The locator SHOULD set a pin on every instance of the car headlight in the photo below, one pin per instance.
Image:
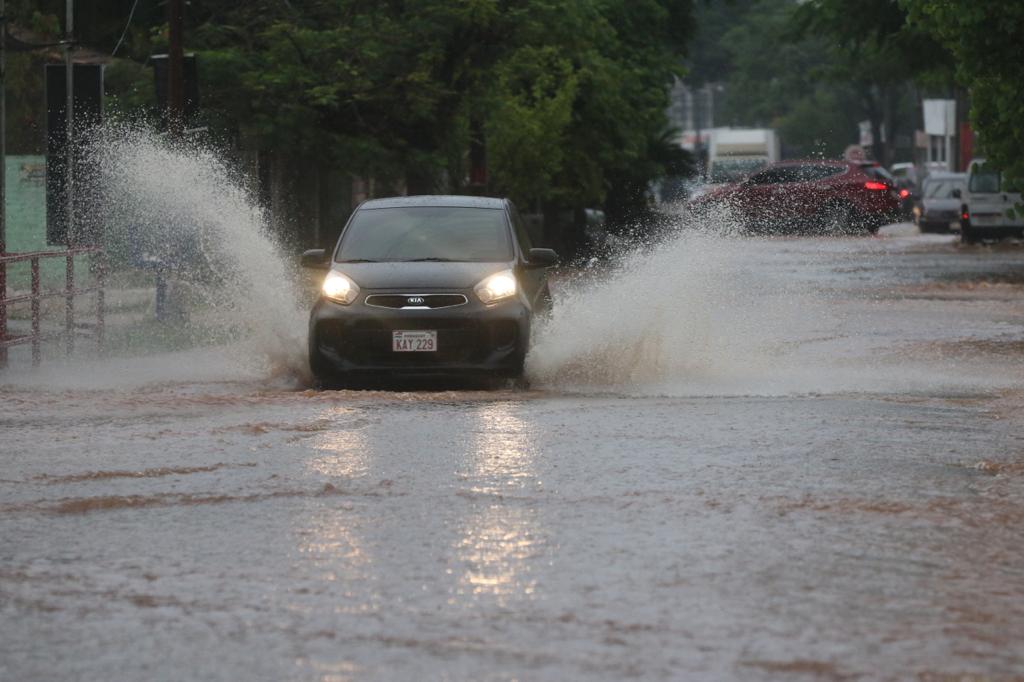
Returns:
(497, 287)
(339, 288)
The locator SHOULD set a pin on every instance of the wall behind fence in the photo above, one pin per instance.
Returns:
(26, 220)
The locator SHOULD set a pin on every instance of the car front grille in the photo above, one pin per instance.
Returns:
(368, 342)
(432, 301)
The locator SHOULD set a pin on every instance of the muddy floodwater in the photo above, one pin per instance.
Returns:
(806, 463)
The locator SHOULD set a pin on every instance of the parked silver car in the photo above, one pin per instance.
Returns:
(939, 207)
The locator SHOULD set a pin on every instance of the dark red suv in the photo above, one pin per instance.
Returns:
(813, 195)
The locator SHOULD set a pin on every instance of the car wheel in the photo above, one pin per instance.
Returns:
(967, 235)
(324, 375)
(543, 311)
(519, 383)
(515, 378)
(838, 218)
(871, 224)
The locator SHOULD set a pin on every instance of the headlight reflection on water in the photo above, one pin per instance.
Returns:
(331, 537)
(500, 539)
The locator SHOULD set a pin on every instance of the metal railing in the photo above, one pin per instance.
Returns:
(69, 292)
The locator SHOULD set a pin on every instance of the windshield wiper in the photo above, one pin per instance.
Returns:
(359, 260)
(429, 260)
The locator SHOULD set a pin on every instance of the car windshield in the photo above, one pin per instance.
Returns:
(795, 173)
(941, 189)
(879, 173)
(426, 233)
(984, 180)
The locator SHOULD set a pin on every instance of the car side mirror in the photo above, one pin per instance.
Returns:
(542, 258)
(315, 258)
(957, 193)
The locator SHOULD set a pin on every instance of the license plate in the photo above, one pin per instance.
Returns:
(414, 341)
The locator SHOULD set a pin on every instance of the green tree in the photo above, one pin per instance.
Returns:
(984, 37)
(567, 96)
(878, 53)
(814, 69)
(710, 56)
(775, 77)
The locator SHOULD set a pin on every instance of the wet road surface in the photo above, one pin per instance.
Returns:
(847, 505)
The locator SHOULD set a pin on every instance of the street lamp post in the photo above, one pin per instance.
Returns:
(69, 169)
(175, 68)
(3, 142)
(3, 178)
(69, 124)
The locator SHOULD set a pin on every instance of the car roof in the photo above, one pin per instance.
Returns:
(817, 162)
(441, 200)
(826, 163)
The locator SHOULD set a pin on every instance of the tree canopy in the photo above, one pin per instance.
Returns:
(567, 94)
(985, 38)
(567, 97)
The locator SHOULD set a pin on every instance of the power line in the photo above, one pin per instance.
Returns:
(126, 27)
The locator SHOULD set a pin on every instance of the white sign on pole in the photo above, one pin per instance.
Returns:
(939, 116)
(866, 138)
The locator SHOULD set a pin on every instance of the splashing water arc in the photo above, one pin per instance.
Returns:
(181, 205)
(685, 310)
(701, 310)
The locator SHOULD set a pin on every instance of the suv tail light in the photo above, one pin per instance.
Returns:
(904, 193)
(876, 186)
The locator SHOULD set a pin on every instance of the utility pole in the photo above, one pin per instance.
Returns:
(175, 68)
(69, 125)
(3, 178)
(69, 170)
(3, 143)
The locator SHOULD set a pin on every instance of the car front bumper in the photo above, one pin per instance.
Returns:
(985, 231)
(471, 339)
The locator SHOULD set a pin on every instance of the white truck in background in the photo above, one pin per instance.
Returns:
(736, 153)
(990, 209)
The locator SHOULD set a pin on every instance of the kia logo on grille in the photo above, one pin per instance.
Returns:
(414, 300)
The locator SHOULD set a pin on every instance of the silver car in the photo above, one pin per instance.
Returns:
(939, 208)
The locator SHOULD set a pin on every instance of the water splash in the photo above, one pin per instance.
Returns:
(180, 206)
(685, 309)
(710, 310)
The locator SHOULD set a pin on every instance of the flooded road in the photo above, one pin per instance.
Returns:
(822, 479)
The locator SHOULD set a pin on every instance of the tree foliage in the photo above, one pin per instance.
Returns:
(569, 94)
(881, 56)
(985, 37)
(777, 80)
(814, 69)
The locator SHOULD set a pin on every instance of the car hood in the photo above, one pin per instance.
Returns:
(410, 276)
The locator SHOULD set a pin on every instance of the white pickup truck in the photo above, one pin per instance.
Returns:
(989, 209)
